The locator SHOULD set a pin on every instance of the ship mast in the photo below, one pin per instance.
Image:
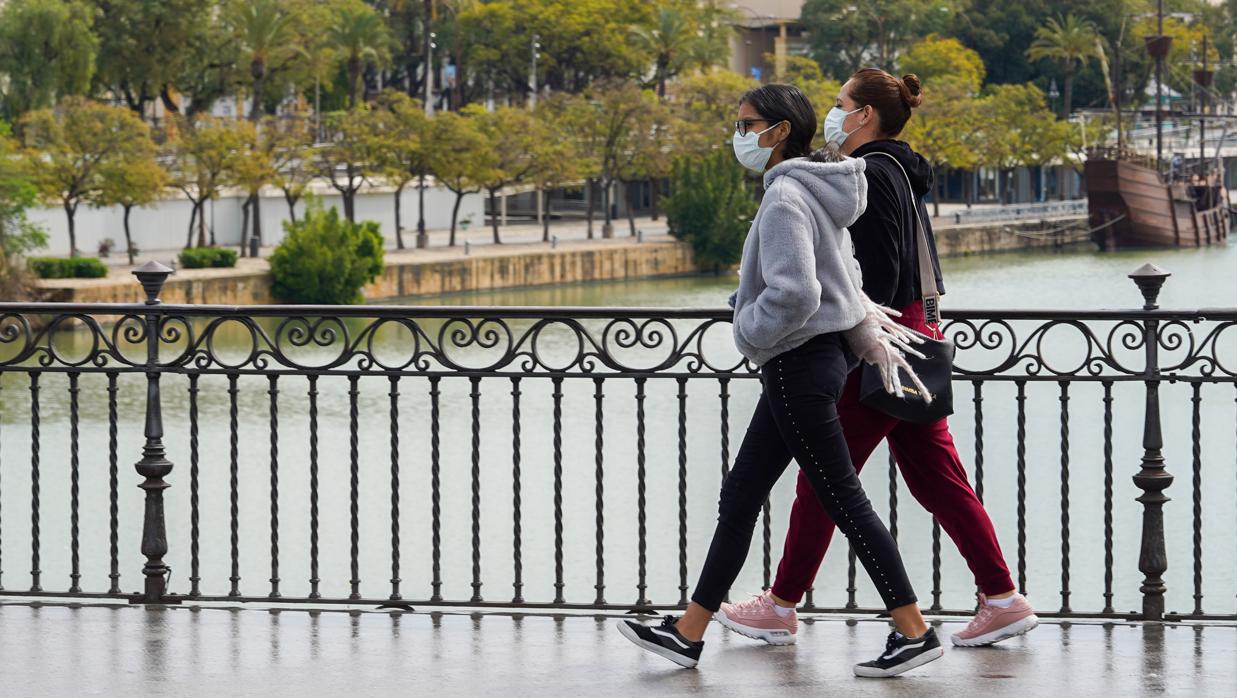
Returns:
(1203, 78)
(1158, 47)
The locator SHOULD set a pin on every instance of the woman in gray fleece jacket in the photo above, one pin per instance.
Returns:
(802, 317)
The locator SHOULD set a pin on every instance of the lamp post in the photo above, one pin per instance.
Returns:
(532, 74)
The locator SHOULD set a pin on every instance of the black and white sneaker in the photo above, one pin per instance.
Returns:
(663, 640)
(902, 654)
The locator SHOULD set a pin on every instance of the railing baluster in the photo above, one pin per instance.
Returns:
(1108, 497)
(273, 392)
(75, 573)
(1021, 466)
(557, 396)
(641, 573)
(113, 486)
(936, 565)
(517, 530)
(1196, 438)
(314, 593)
(354, 486)
(893, 497)
(475, 395)
(1, 489)
(395, 542)
(435, 495)
(767, 541)
(234, 484)
(851, 603)
(599, 488)
(35, 441)
(195, 578)
(978, 399)
(725, 400)
(682, 491)
(1065, 567)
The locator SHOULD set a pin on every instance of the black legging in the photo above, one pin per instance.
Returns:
(797, 417)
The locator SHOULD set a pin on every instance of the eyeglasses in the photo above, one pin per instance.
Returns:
(742, 126)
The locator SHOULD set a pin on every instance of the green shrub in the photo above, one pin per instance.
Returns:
(68, 267)
(711, 208)
(203, 257)
(326, 259)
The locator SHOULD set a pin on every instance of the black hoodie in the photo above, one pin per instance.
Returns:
(884, 235)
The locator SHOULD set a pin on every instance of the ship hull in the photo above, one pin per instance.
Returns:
(1129, 206)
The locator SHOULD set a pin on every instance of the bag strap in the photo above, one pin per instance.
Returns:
(927, 272)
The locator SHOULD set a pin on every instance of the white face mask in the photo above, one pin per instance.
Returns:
(834, 134)
(749, 152)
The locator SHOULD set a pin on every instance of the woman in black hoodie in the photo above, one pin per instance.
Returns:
(871, 110)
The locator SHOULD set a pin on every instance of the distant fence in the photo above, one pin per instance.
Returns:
(1015, 212)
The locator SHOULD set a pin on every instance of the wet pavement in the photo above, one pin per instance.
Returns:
(122, 650)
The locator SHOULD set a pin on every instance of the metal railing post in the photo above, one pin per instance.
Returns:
(1152, 478)
(154, 465)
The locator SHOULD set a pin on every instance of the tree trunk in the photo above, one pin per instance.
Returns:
(193, 218)
(588, 195)
(257, 216)
(257, 69)
(245, 225)
(399, 228)
(291, 205)
(421, 205)
(545, 216)
(940, 192)
(654, 186)
(202, 225)
(70, 210)
(455, 214)
(1067, 93)
(349, 196)
(128, 235)
(494, 214)
(607, 225)
(354, 77)
(631, 215)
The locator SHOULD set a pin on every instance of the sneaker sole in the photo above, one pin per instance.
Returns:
(874, 673)
(686, 662)
(1018, 627)
(772, 637)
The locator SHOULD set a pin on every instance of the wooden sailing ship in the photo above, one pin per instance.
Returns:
(1131, 204)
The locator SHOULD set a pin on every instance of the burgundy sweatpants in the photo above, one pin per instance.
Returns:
(933, 472)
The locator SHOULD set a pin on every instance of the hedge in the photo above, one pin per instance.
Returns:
(68, 267)
(203, 257)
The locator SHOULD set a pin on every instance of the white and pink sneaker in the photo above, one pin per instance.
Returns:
(993, 623)
(760, 619)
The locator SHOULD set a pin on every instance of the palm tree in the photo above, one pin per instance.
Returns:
(266, 36)
(1070, 42)
(362, 39)
(669, 40)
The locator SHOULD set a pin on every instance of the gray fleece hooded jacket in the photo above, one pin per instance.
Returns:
(799, 276)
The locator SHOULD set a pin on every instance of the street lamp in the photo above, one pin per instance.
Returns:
(532, 75)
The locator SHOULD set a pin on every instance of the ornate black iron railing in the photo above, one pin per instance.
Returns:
(292, 402)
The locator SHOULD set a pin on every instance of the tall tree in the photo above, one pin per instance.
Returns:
(1069, 41)
(1019, 130)
(401, 133)
(252, 167)
(71, 147)
(347, 160)
(944, 130)
(17, 235)
(135, 182)
(200, 155)
(144, 46)
(264, 33)
(361, 40)
(706, 103)
(938, 60)
(846, 35)
(683, 34)
(292, 143)
(47, 50)
(608, 118)
(460, 158)
(513, 136)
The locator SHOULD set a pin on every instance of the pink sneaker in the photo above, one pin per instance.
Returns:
(757, 619)
(992, 624)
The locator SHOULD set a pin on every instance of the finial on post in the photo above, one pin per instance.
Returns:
(1150, 279)
(152, 276)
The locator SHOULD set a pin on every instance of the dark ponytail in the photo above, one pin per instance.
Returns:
(779, 103)
(893, 99)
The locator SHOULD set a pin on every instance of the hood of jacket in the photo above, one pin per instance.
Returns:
(917, 168)
(840, 187)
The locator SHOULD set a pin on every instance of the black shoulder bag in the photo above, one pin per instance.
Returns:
(936, 369)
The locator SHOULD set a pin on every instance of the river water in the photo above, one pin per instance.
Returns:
(1075, 280)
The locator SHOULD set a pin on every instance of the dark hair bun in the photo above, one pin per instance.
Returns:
(912, 91)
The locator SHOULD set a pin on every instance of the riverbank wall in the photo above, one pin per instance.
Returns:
(453, 270)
